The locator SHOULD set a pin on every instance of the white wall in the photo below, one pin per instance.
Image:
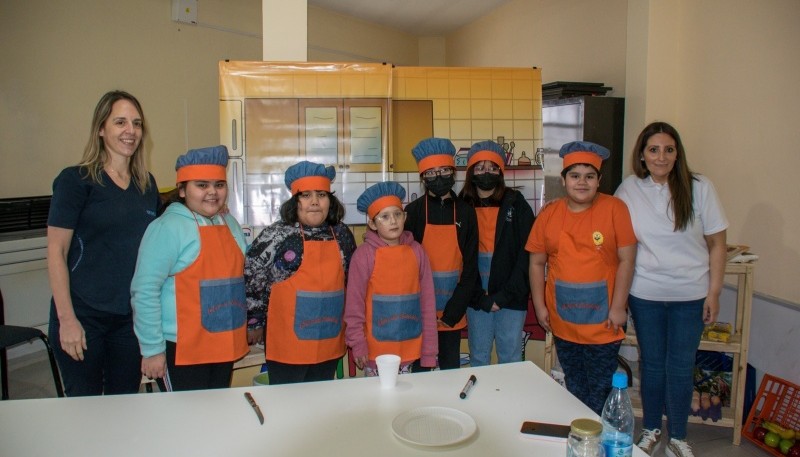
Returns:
(58, 58)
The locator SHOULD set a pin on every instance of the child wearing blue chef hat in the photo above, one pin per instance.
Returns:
(586, 240)
(295, 280)
(497, 312)
(447, 228)
(390, 306)
(188, 289)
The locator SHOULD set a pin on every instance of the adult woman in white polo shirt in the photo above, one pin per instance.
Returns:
(680, 225)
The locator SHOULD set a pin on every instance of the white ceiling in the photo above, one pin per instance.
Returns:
(417, 17)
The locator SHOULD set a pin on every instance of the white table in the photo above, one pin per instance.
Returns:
(347, 417)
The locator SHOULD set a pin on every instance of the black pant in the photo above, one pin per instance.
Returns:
(449, 352)
(287, 373)
(194, 377)
(111, 362)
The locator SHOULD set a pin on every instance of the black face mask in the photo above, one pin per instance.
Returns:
(486, 181)
(440, 186)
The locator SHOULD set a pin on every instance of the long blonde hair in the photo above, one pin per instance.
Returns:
(95, 155)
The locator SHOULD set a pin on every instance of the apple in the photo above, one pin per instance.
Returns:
(794, 451)
(785, 445)
(759, 433)
(772, 439)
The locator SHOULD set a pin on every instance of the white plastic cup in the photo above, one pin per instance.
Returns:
(388, 368)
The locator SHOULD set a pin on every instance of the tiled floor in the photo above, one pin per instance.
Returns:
(29, 377)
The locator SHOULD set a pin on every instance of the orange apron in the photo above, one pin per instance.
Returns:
(304, 319)
(580, 282)
(394, 314)
(441, 244)
(487, 226)
(210, 301)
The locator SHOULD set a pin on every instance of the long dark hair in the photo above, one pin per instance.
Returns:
(335, 212)
(469, 193)
(679, 179)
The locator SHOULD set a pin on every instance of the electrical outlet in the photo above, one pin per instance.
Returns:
(184, 11)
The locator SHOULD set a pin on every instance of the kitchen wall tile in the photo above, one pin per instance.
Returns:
(438, 88)
(502, 128)
(281, 86)
(523, 109)
(501, 88)
(481, 88)
(502, 109)
(523, 129)
(460, 109)
(459, 88)
(482, 129)
(417, 88)
(441, 108)
(441, 128)
(377, 86)
(460, 129)
(527, 187)
(522, 89)
(481, 109)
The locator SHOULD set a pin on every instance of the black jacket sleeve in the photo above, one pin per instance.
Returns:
(510, 288)
(467, 228)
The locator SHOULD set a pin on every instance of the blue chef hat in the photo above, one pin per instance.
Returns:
(203, 164)
(487, 150)
(583, 152)
(379, 196)
(434, 152)
(306, 175)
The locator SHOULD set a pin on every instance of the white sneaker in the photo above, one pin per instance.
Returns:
(678, 448)
(648, 440)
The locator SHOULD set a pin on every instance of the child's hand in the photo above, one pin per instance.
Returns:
(155, 367)
(360, 361)
(616, 319)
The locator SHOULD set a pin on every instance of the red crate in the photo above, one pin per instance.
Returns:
(777, 401)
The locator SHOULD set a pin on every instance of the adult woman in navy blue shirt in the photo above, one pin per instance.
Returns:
(98, 215)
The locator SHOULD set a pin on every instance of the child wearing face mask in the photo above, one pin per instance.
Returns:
(497, 312)
(189, 310)
(447, 229)
(390, 307)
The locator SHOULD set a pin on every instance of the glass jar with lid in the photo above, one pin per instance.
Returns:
(584, 439)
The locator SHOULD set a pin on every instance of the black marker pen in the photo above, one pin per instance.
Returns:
(471, 382)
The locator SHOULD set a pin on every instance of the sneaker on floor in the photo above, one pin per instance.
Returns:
(648, 440)
(679, 448)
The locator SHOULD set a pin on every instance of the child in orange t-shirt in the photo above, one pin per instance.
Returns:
(586, 240)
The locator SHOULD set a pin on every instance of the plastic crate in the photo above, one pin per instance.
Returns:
(777, 401)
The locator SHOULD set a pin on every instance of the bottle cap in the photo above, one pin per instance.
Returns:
(619, 380)
(586, 427)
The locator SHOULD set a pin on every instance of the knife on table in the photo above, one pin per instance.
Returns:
(255, 407)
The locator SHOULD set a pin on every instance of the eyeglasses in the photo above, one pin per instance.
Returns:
(388, 218)
(443, 172)
(481, 169)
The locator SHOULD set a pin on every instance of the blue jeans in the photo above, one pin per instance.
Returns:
(669, 334)
(502, 327)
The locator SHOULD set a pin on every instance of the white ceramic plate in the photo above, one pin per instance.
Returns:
(434, 426)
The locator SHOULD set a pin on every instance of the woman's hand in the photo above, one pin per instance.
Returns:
(73, 338)
(155, 367)
(710, 309)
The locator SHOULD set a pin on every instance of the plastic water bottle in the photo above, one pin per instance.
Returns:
(584, 439)
(618, 419)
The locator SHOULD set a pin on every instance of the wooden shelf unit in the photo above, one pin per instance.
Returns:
(737, 346)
